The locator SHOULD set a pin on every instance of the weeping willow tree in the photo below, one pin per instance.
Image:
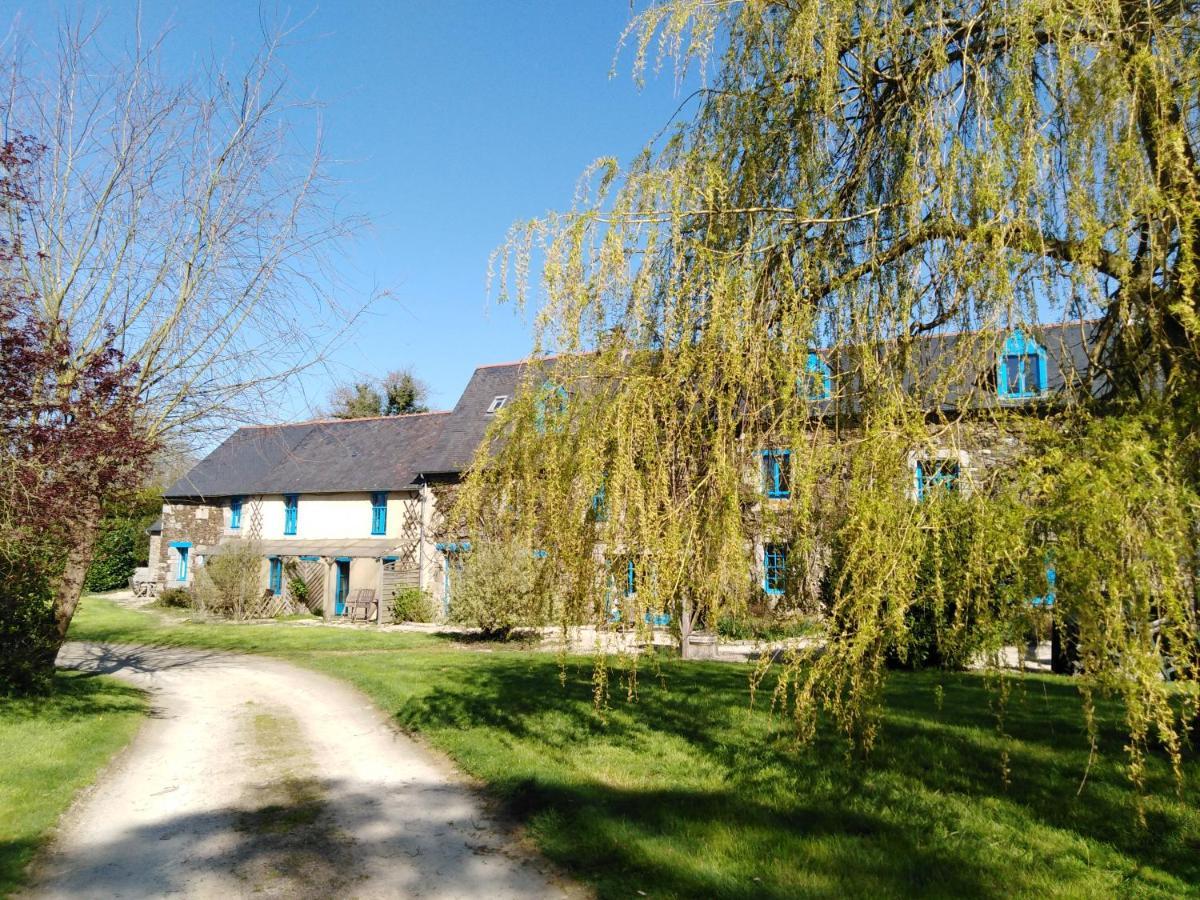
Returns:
(819, 269)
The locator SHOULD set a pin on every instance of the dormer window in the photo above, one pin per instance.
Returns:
(551, 406)
(1021, 369)
(497, 404)
(816, 382)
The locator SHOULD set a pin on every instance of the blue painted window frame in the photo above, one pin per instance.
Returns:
(599, 507)
(816, 383)
(341, 587)
(276, 575)
(379, 501)
(776, 469)
(291, 513)
(1048, 598)
(235, 513)
(775, 568)
(945, 473)
(542, 406)
(183, 549)
(630, 578)
(1022, 350)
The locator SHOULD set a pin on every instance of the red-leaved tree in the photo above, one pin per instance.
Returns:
(69, 440)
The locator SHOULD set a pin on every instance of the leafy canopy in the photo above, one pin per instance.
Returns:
(855, 179)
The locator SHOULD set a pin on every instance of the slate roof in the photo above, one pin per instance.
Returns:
(393, 452)
(464, 427)
(330, 456)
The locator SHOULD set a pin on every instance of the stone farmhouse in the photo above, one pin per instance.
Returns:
(342, 504)
(358, 504)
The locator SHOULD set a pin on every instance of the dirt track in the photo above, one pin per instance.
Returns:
(254, 777)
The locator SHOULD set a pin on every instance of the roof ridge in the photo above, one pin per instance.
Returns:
(336, 421)
(522, 362)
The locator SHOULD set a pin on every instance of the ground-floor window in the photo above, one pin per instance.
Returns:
(276, 575)
(181, 562)
(775, 568)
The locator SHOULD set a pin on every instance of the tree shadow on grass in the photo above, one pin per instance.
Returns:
(74, 694)
(837, 813)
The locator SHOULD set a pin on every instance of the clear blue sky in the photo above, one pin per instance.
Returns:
(452, 119)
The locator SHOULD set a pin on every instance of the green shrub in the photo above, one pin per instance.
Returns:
(763, 627)
(230, 582)
(115, 557)
(176, 598)
(297, 587)
(28, 640)
(496, 590)
(412, 604)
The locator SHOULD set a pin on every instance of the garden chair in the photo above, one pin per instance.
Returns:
(362, 601)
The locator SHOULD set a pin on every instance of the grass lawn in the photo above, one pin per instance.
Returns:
(690, 793)
(50, 748)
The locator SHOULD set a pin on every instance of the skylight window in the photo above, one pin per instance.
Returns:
(497, 404)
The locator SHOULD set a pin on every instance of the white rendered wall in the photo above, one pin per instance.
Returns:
(327, 516)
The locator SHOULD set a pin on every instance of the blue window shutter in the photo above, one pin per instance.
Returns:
(291, 503)
(235, 513)
(379, 512)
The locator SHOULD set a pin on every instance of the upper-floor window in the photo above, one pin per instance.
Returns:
(551, 406)
(599, 506)
(291, 504)
(379, 512)
(235, 513)
(497, 403)
(816, 382)
(775, 568)
(776, 465)
(936, 475)
(1021, 369)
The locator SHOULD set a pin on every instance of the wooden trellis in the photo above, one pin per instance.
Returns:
(312, 573)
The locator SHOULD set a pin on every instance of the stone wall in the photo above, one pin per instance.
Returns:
(201, 524)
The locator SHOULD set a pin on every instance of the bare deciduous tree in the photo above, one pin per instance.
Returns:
(184, 222)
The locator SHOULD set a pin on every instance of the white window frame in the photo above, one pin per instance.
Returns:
(498, 403)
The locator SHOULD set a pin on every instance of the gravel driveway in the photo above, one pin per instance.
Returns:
(254, 777)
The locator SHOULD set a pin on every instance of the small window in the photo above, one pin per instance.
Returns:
(630, 578)
(776, 466)
(291, 508)
(379, 512)
(936, 475)
(235, 513)
(181, 573)
(1021, 368)
(775, 568)
(599, 506)
(497, 404)
(551, 407)
(816, 382)
(276, 575)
